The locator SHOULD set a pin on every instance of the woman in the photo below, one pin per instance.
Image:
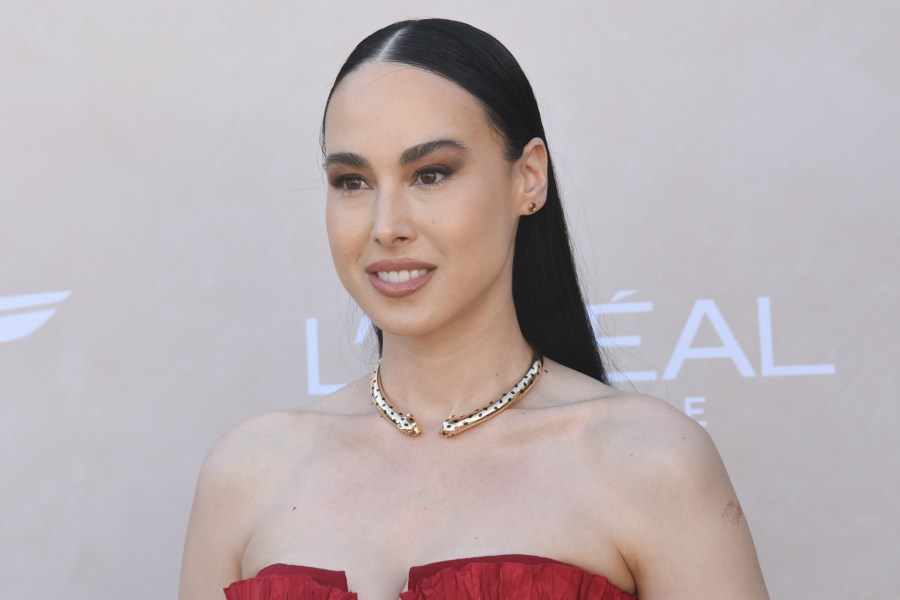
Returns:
(446, 228)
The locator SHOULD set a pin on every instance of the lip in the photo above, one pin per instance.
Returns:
(401, 288)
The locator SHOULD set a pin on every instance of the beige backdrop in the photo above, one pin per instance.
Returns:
(730, 170)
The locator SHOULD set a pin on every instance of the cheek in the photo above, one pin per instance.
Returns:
(483, 215)
(343, 232)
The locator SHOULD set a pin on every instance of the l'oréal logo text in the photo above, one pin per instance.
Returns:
(20, 316)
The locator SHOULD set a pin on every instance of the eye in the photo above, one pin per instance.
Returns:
(348, 183)
(431, 176)
(352, 183)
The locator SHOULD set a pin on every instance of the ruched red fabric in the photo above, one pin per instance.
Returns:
(483, 578)
(291, 582)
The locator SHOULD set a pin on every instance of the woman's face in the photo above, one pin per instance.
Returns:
(422, 205)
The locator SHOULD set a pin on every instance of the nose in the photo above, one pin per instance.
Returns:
(392, 223)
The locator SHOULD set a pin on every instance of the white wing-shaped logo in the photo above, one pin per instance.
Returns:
(23, 323)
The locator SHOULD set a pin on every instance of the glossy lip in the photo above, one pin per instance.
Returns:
(402, 288)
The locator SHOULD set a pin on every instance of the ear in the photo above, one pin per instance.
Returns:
(532, 171)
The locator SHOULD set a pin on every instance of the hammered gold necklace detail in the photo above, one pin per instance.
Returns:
(455, 425)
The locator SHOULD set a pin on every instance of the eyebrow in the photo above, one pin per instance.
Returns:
(346, 158)
(418, 151)
(409, 155)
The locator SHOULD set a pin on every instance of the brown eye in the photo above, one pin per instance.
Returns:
(347, 183)
(431, 176)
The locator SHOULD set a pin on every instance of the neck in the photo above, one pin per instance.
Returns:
(442, 375)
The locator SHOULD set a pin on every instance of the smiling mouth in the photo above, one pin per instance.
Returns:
(401, 276)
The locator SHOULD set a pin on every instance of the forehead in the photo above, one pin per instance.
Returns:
(389, 107)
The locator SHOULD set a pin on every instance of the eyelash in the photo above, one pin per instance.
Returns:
(441, 170)
(340, 182)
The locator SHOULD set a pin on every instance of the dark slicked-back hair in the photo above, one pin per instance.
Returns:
(549, 305)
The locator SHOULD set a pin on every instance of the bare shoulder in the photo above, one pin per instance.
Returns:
(240, 475)
(687, 535)
(244, 451)
(232, 480)
(669, 504)
(654, 436)
(646, 430)
(241, 453)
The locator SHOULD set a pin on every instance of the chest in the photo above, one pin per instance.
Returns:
(414, 507)
(373, 510)
(438, 495)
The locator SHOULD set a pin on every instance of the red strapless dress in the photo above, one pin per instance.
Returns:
(483, 578)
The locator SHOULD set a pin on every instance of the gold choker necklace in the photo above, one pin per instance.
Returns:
(455, 425)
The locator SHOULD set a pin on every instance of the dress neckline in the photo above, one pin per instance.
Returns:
(338, 579)
(420, 572)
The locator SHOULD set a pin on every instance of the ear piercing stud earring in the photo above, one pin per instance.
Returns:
(532, 207)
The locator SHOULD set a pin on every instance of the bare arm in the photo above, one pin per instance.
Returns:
(217, 530)
(692, 540)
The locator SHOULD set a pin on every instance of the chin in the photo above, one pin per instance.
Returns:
(396, 328)
(403, 322)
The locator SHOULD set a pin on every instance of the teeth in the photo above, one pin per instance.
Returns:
(400, 276)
